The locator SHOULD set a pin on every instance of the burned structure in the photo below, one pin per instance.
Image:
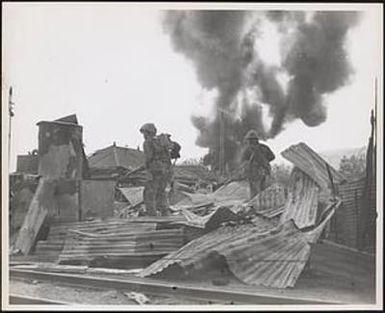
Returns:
(63, 193)
(88, 210)
(272, 240)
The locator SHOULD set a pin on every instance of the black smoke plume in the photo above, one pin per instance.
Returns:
(221, 46)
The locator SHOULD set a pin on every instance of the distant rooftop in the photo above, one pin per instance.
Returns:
(116, 156)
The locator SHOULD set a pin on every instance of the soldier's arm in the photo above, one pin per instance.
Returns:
(245, 154)
(148, 153)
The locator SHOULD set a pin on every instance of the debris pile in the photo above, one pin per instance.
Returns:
(274, 256)
(89, 211)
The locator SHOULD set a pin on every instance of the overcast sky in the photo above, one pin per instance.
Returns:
(114, 67)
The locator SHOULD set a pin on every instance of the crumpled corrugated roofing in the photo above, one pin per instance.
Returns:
(212, 220)
(134, 195)
(303, 157)
(270, 202)
(233, 193)
(302, 202)
(273, 258)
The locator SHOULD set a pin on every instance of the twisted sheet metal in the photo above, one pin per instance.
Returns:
(84, 246)
(303, 157)
(269, 202)
(134, 195)
(272, 258)
(302, 202)
(231, 194)
(215, 218)
(349, 219)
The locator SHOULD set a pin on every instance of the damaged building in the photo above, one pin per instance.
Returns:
(85, 211)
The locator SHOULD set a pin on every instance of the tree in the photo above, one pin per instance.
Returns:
(353, 168)
(193, 161)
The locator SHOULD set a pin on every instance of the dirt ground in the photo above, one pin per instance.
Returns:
(89, 296)
(310, 286)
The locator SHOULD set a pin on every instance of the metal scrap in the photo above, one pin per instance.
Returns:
(273, 258)
(302, 202)
(303, 157)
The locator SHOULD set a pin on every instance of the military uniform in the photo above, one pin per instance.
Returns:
(158, 174)
(256, 158)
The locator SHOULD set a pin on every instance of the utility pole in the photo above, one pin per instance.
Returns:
(221, 144)
(11, 113)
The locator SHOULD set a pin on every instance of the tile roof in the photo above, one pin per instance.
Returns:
(114, 156)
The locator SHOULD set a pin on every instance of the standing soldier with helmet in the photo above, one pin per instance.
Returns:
(158, 153)
(256, 158)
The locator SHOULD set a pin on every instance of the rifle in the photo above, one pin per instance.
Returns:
(138, 169)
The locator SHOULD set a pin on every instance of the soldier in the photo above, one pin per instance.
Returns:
(255, 158)
(158, 168)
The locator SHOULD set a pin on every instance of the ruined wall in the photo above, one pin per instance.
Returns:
(61, 161)
(97, 198)
(60, 150)
(348, 224)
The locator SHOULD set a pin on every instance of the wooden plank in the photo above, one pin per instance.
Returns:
(41, 204)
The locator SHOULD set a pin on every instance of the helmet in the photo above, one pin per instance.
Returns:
(251, 134)
(148, 127)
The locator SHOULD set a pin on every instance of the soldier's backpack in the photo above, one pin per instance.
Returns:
(269, 155)
(172, 146)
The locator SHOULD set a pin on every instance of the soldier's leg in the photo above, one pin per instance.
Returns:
(149, 195)
(253, 188)
(161, 197)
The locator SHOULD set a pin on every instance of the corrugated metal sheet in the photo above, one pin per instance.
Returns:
(231, 194)
(237, 190)
(134, 195)
(58, 232)
(210, 221)
(273, 258)
(269, 202)
(303, 157)
(347, 218)
(122, 242)
(302, 201)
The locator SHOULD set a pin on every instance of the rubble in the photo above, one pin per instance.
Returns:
(92, 211)
(273, 258)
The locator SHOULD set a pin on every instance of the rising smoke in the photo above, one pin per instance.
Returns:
(222, 47)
